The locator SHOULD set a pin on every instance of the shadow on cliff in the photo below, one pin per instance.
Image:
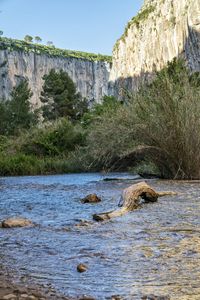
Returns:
(124, 87)
(191, 53)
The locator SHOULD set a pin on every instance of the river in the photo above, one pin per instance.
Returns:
(152, 250)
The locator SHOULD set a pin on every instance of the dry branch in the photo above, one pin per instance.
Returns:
(131, 200)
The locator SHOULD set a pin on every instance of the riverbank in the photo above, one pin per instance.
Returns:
(11, 291)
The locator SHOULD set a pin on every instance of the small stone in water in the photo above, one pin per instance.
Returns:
(92, 198)
(81, 268)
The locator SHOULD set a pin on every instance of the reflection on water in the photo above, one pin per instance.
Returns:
(153, 250)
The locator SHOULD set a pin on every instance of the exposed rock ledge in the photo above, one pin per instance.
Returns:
(161, 31)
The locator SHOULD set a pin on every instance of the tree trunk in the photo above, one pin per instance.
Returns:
(131, 200)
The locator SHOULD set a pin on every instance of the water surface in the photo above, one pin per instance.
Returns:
(153, 250)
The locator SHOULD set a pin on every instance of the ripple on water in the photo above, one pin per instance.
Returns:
(153, 250)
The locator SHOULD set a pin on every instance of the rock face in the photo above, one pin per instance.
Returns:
(162, 30)
(90, 77)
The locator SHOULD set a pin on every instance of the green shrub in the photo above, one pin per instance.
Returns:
(161, 122)
(108, 104)
(56, 139)
(21, 164)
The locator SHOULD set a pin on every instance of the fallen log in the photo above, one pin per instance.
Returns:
(131, 198)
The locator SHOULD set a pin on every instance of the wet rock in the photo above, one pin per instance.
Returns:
(153, 297)
(9, 297)
(16, 222)
(24, 296)
(84, 223)
(116, 297)
(91, 198)
(86, 298)
(81, 268)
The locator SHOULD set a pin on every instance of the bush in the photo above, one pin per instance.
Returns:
(109, 104)
(161, 121)
(54, 148)
(21, 164)
(57, 139)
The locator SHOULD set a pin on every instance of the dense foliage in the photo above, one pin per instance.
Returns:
(156, 129)
(17, 114)
(160, 124)
(48, 149)
(60, 97)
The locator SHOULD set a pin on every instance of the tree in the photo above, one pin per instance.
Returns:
(3, 117)
(1, 32)
(50, 44)
(108, 104)
(28, 39)
(19, 108)
(60, 97)
(38, 39)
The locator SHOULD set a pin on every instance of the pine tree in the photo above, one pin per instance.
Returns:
(60, 97)
(19, 108)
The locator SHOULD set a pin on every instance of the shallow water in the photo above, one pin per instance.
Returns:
(153, 250)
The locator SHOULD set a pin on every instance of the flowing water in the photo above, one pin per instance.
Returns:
(153, 250)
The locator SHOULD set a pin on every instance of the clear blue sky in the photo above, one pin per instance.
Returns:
(85, 25)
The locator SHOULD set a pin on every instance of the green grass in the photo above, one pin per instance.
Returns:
(21, 164)
(19, 45)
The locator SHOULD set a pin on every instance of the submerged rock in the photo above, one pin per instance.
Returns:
(116, 297)
(16, 222)
(81, 268)
(91, 198)
(84, 223)
(84, 297)
(153, 297)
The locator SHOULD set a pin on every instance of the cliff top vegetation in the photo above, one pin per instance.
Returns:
(19, 45)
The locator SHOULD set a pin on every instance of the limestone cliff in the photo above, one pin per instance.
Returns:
(90, 76)
(162, 30)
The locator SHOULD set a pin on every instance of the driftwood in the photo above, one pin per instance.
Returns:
(131, 199)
